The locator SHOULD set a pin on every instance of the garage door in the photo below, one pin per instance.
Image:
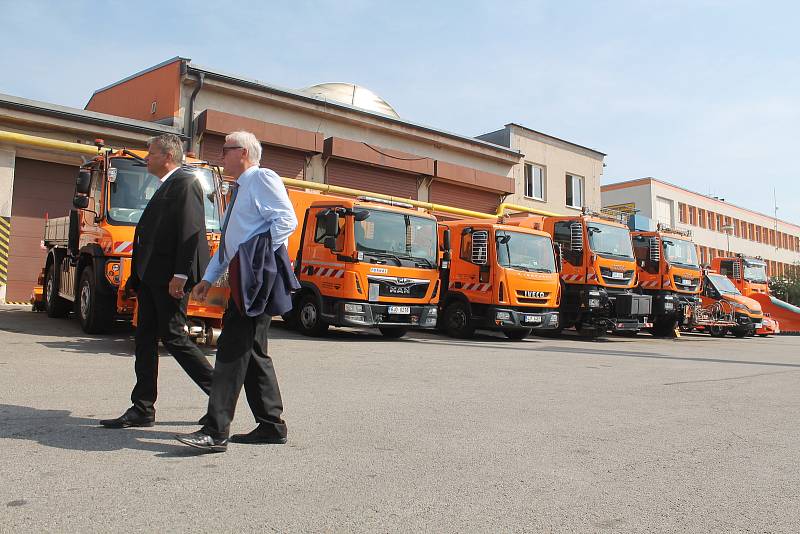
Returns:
(284, 161)
(39, 188)
(375, 179)
(468, 198)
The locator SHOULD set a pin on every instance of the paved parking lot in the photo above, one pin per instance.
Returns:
(421, 434)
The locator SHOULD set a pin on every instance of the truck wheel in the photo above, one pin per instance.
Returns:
(717, 331)
(54, 305)
(590, 331)
(663, 327)
(95, 311)
(309, 317)
(458, 320)
(740, 331)
(290, 319)
(393, 332)
(517, 334)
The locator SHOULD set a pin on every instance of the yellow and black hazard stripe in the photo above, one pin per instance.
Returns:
(5, 246)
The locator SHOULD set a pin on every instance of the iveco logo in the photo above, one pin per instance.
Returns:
(617, 267)
(535, 294)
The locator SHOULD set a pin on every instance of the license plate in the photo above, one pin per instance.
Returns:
(399, 310)
(533, 318)
(687, 282)
(616, 275)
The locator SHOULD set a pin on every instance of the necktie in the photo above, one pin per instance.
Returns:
(221, 254)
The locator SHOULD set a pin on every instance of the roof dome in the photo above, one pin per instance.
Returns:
(353, 95)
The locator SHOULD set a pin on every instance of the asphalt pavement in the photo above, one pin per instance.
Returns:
(425, 433)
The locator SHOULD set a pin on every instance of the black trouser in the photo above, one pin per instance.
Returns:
(161, 316)
(242, 359)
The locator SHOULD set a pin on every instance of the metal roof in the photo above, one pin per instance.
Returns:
(556, 138)
(84, 116)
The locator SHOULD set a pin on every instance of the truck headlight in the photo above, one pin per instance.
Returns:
(433, 312)
(353, 308)
(594, 303)
(503, 316)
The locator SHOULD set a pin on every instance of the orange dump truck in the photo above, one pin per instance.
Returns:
(499, 277)
(669, 272)
(89, 252)
(598, 273)
(363, 262)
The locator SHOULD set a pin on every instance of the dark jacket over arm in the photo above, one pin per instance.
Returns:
(267, 278)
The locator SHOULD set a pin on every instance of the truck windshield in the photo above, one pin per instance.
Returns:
(723, 284)
(394, 234)
(525, 252)
(680, 252)
(133, 188)
(608, 240)
(755, 271)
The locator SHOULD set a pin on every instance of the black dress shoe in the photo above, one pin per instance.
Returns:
(257, 437)
(198, 440)
(128, 419)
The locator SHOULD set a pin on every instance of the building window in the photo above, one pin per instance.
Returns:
(534, 181)
(574, 191)
(682, 212)
(702, 218)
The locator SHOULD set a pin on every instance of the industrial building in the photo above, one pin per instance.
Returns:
(718, 227)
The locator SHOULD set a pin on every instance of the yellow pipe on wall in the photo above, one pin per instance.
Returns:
(326, 188)
(54, 144)
(501, 209)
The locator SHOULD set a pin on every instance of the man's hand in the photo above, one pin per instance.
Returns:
(200, 291)
(176, 286)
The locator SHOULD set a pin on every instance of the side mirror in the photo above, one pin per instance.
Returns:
(446, 255)
(84, 182)
(330, 242)
(559, 258)
(361, 215)
(81, 202)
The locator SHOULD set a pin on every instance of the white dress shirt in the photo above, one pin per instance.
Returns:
(262, 204)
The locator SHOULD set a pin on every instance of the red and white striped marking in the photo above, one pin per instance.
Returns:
(590, 277)
(121, 247)
(572, 277)
(329, 272)
(472, 287)
(649, 284)
(667, 283)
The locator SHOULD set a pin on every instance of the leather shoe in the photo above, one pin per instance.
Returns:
(256, 437)
(199, 440)
(129, 419)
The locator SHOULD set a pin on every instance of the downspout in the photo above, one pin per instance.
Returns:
(190, 113)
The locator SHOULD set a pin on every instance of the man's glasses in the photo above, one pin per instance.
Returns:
(227, 149)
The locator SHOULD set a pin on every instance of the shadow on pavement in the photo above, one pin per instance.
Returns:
(60, 430)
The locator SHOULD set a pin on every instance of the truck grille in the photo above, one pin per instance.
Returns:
(398, 287)
(605, 272)
(532, 297)
(691, 286)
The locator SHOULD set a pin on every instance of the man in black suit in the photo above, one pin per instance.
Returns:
(170, 255)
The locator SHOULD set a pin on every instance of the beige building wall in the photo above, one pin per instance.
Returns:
(558, 158)
(348, 125)
(644, 194)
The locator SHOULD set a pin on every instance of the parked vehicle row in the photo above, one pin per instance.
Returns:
(367, 260)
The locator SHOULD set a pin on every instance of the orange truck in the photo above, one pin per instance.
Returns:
(363, 262)
(498, 277)
(669, 272)
(749, 275)
(598, 274)
(89, 252)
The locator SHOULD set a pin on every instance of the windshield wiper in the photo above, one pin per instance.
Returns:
(385, 255)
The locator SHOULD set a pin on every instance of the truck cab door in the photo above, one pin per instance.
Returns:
(474, 276)
(320, 263)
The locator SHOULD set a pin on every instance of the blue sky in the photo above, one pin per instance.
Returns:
(704, 94)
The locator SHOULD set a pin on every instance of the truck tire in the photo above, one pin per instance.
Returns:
(393, 332)
(663, 327)
(54, 305)
(95, 311)
(590, 331)
(717, 331)
(518, 333)
(458, 320)
(309, 317)
(740, 331)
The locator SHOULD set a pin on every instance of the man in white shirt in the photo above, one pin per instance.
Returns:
(259, 204)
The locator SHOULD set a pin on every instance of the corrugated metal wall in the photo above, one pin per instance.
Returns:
(378, 180)
(284, 161)
(459, 196)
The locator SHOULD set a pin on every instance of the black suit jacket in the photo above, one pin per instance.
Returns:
(170, 237)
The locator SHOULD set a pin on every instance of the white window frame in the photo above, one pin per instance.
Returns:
(581, 180)
(530, 176)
